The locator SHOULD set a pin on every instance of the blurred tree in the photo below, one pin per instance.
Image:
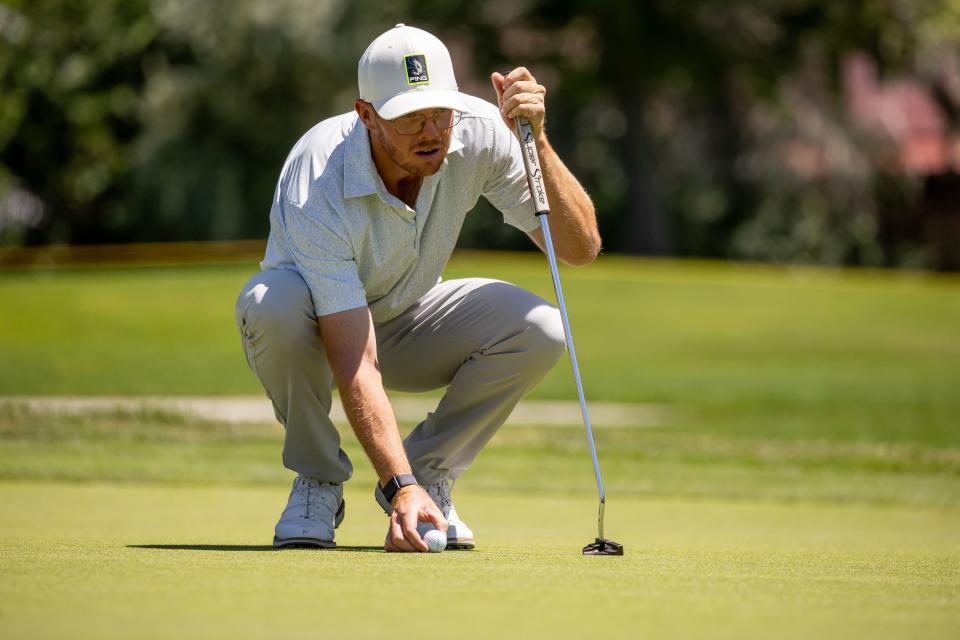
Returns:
(231, 90)
(70, 75)
(136, 120)
(700, 128)
(705, 91)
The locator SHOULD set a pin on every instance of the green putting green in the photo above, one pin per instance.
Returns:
(104, 561)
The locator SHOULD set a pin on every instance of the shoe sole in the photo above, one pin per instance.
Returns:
(303, 543)
(458, 544)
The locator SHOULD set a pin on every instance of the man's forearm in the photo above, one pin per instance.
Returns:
(350, 342)
(573, 221)
(372, 419)
(573, 224)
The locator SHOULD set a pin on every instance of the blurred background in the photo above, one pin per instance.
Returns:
(784, 131)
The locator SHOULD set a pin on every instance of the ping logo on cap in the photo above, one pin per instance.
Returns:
(416, 65)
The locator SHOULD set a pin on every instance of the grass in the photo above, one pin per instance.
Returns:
(155, 562)
(677, 460)
(646, 331)
(806, 481)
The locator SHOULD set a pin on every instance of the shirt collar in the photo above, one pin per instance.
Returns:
(360, 177)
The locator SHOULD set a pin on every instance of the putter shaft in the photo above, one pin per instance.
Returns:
(539, 192)
(555, 272)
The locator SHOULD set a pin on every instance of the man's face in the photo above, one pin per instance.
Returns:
(417, 142)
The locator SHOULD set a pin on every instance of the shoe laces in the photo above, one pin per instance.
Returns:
(440, 492)
(316, 499)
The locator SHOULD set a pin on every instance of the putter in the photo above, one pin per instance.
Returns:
(531, 161)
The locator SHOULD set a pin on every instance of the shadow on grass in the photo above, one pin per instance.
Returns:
(241, 547)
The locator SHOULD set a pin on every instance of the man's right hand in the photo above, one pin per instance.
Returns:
(350, 341)
(411, 505)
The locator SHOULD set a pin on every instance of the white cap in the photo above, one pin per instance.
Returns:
(407, 69)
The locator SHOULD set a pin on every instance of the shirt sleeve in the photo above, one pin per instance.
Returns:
(506, 188)
(321, 250)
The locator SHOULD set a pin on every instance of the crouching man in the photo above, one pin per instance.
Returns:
(366, 214)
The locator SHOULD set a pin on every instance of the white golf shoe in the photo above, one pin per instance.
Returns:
(314, 510)
(459, 535)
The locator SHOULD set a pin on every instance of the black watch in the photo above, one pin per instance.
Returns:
(395, 483)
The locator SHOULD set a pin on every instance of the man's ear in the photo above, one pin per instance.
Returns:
(365, 111)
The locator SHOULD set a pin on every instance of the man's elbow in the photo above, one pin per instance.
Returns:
(586, 254)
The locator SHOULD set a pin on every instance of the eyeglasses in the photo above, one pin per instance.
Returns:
(413, 123)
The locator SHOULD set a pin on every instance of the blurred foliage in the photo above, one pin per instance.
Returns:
(127, 120)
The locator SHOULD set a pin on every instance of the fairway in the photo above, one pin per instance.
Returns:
(800, 475)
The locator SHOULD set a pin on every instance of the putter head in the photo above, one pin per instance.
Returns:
(603, 547)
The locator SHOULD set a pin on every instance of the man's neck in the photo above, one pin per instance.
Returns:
(397, 181)
(408, 189)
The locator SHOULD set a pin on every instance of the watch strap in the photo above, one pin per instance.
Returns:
(395, 483)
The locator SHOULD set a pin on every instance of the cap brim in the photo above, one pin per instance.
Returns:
(410, 101)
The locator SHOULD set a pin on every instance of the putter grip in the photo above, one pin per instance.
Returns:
(531, 161)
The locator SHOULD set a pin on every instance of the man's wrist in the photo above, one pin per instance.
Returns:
(403, 490)
(393, 486)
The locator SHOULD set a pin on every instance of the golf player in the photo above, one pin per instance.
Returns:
(367, 212)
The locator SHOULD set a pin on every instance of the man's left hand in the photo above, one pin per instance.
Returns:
(519, 94)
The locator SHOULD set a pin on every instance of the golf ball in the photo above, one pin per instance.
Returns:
(436, 540)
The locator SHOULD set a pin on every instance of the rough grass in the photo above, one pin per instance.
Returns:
(679, 459)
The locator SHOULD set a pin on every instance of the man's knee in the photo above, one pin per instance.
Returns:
(546, 338)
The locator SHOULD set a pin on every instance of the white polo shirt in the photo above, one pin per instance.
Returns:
(355, 244)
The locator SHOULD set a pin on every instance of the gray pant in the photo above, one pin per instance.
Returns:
(487, 341)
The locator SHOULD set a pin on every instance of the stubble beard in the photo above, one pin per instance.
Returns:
(396, 157)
